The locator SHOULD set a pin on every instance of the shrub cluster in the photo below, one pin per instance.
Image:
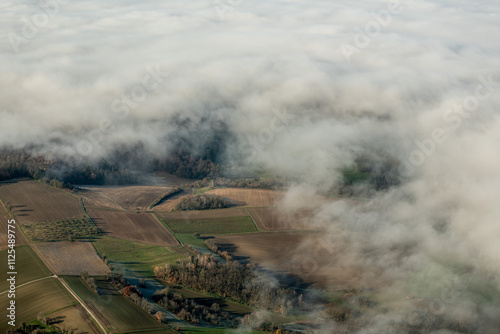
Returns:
(187, 309)
(203, 202)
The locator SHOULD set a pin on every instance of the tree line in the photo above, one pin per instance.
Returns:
(116, 170)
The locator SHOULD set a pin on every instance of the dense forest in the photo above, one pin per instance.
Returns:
(20, 163)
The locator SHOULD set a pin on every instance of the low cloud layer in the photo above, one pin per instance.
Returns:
(303, 89)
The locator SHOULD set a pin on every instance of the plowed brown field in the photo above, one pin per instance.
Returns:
(34, 202)
(204, 214)
(134, 197)
(272, 219)
(304, 254)
(72, 258)
(139, 227)
(92, 199)
(249, 197)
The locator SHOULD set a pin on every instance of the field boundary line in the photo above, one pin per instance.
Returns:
(162, 197)
(82, 206)
(167, 227)
(110, 198)
(181, 244)
(35, 280)
(66, 285)
(253, 221)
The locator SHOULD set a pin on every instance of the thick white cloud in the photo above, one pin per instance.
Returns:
(245, 62)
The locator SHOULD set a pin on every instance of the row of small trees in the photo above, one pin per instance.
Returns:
(90, 281)
(274, 183)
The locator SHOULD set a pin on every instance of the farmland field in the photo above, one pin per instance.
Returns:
(271, 219)
(134, 197)
(43, 296)
(264, 248)
(28, 265)
(71, 258)
(237, 196)
(117, 312)
(75, 317)
(187, 238)
(166, 179)
(285, 251)
(204, 214)
(249, 197)
(141, 258)
(170, 203)
(226, 225)
(34, 202)
(132, 226)
(92, 199)
(268, 219)
(4, 218)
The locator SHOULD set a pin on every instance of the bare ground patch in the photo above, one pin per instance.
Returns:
(273, 219)
(302, 254)
(72, 258)
(204, 214)
(249, 197)
(93, 199)
(34, 202)
(134, 197)
(74, 317)
(139, 227)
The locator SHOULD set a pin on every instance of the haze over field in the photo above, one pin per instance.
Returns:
(298, 88)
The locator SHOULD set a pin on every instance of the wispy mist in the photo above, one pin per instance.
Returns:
(302, 89)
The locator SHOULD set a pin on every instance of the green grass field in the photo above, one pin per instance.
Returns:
(140, 258)
(190, 240)
(225, 225)
(43, 296)
(28, 267)
(61, 230)
(122, 313)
